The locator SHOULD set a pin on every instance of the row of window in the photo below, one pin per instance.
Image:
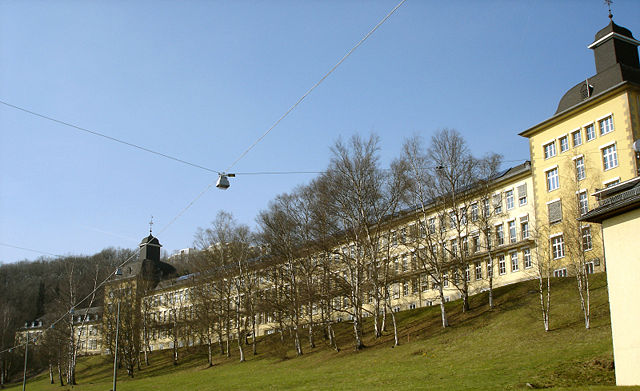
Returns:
(451, 220)
(605, 125)
(609, 161)
(557, 243)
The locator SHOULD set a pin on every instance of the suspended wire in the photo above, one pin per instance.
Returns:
(95, 133)
(30, 249)
(316, 85)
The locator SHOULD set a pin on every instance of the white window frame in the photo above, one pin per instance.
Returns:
(552, 178)
(549, 149)
(557, 246)
(562, 272)
(515, 266)
(581, 171)
(509, 198)
(609, 156)
(591, 126)
(513, 231)
(564, 143)
(579, 138)
(526, 257)
(502, 265)
(583, 201)
(587, 238)
(609, 122)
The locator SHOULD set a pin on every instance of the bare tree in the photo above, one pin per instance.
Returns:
(483, 214)
(362, 198)
(580, 238)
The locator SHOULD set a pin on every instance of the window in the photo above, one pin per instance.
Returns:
(499, 235)
(396, 291)
(589, 268)
(557, 247)
(524, 227)
(514, 262)
(454, 247)
(475, 244)
(396, 265)
(550, 150)
(405, 288)
(522, 194)
(587, 243)
(580, 171)
(502, 265)
(465, 245)
(443, 222)
(394, 238)
(512, 231)
(554, 209)
(415, 285)
(560, 272)
(591, 132)
(489, 268)
(606, 125)
(452, 219)
(445, 280)
(405, 263)
(412, 306)
(485, 207)
(583, 202)
(497, 203)
(474, 212)
(424, 280)
(577, 138)
(609, 157)
(564, 144)
(526, 256)
(553, 182)
(612, 182)
(467, 273)
(432, 225)
(478, 270)
(508, 195)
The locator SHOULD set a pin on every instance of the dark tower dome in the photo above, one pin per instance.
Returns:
(616, 56)
(614, 45)
(150, 248)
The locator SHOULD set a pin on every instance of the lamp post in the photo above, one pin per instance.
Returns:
(26, 354)
(115, 355)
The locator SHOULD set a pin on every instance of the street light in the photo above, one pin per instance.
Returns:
(223, 181)
(115, 355)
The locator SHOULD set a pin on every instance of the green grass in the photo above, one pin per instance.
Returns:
(505, 348)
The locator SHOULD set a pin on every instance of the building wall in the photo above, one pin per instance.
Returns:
(621, 107)
(623, 274)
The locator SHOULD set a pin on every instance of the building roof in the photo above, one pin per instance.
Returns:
(618, 199)
(616, 60)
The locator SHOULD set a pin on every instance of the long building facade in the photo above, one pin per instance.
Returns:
(527, 216)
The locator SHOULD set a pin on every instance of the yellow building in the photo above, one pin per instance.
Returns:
(619, 213)
(585, 146)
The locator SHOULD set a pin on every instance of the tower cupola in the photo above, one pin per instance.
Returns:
(615, 45)
(150, 249)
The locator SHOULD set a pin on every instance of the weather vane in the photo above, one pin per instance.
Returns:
(608, 3)
(150, 225)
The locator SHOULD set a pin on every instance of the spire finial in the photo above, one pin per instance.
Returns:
(608, 3)
(150, 225)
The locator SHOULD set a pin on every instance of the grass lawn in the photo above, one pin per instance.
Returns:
(505, 348)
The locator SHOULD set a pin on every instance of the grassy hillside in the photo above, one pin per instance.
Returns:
(483, 350)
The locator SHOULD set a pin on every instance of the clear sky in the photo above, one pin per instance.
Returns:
(202, 80)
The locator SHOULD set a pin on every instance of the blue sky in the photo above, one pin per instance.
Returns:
(201, 80)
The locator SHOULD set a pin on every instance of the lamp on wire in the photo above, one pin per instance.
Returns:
(223, 181)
